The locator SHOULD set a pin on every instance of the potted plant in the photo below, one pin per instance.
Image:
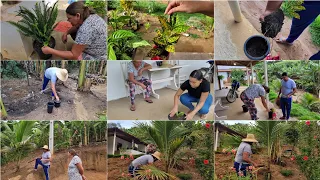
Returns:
(122, 45)
(38, 25)
(166, 38)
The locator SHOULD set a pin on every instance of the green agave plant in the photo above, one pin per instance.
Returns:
(168, 36)
(121, 43)
(39, 23)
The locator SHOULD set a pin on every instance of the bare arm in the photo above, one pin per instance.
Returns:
(204, 7)
(203, 99)
(293, 92)
(53, 88)
(263, 100)
(80, 168)
(273, 5)
(246, 158)
(279, 92)
(131, 79)
(75, 52)
(147, 66)
(176, 102)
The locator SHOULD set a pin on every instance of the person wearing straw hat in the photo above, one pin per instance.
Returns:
(44, 161)
(143, 160)
(243, 159)
(53, 74)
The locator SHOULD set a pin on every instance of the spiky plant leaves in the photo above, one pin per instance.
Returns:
(170, 48)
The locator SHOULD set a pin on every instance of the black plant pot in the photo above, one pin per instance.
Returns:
(57, 104)
(50, 107)
(257, 47)
(245, 108)
(177, 118)
(38, 45)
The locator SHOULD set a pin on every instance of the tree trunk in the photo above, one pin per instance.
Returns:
(101, 67)
(41, 70)
(27, 71)
(94, 67)
(85, 133)
(82, 75)
(3, 110)
(63, 64)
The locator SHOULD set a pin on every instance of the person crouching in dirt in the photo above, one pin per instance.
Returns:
(307, 17)
(44, 161)
(53, 74)
(198, 91)
(243, 157)
(252, 92)
(135, 69)
(143, 160)
(75, 168)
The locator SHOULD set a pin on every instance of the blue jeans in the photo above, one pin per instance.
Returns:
(285, 104)
(133, 171)
(241, 167)
(45, 167)
(306, 18)
(187, 100)
(45, 83)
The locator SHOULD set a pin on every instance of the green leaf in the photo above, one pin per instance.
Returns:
(111, 53)
(122, 34)
(170, 48)
(173, 39)
(180, 29)
(140, 43)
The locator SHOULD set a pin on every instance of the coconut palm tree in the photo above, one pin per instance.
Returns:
(16, 137)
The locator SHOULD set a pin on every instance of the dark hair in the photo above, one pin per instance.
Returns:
(81, 8)
(197, 74)
(266, 88)
(73, 152)
(284, 74)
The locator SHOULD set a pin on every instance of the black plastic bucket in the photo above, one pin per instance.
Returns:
(50, 107)
(159, 63)
(256, 47)
(57, 104)
(245, 108)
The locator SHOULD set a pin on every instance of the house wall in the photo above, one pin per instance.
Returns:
(110, 145)
(141, 148)
(116, 76)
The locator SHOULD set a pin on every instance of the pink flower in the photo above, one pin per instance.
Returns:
(122, 174)
(156, 58)
(122, 157)
(315, 137)
(308, 123)
(207, 125)
(127, 158)
(148, 171)
(221, 176)
(292, 158)
(305, 158)
(131, 157)
(205, 161)
(229, 153)
(234, 151)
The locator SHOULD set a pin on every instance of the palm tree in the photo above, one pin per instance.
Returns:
(169, 136)
(16, 138)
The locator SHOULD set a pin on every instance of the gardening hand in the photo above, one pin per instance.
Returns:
(57, 98)
(46, 50)
(83, 177)
(140, 72)
(205, 7)
(143, 86)
(190, 116)
(64, 38)
(266, 13)
(173, 112)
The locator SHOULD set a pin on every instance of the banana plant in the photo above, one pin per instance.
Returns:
(167, 36)
(122, 43)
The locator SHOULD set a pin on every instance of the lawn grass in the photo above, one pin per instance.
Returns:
(303, 113)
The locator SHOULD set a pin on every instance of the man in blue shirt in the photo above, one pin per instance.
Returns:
(288, 88)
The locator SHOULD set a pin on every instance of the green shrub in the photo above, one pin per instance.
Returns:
(291, 7)
(13, 69)
(272, 96)
(184, 176)
(315, 31)
(303, 113)
(286, 172)
(307, 99)
(315, 107)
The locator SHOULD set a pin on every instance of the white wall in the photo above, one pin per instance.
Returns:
(110, 145)
(141, 148)
(116, 86)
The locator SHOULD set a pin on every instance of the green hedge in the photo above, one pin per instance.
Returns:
(303, 113)
(315, 31)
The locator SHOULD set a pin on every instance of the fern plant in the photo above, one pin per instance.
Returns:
(122, 43)
(38, 24)
(167, 37)
(291, 7)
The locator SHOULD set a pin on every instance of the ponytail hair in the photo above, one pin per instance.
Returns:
(73, 152)
(79, 7)
(197, 74)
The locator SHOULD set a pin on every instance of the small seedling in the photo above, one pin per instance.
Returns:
(286, 172)
(180, 114)
(147, 26)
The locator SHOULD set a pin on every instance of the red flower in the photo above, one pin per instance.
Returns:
(315, 137)
(305, 158)
(131, 157)
(221, 176)
(293, 158)
(234, 151)
(205, 161)
(207, 125)
(229, 153)
(155, 47)
(122, 157)
(308, 123)
(127, 158)
(156, 58)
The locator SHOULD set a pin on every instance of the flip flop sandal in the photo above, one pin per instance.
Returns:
(132, 108)
(282, 40)
(149, 101)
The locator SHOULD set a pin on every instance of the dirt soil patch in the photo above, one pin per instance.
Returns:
(117, 166)
(225, 162)
(93, 159)
(302, 48)
(25, 102)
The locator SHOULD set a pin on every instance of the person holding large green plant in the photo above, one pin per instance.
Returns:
(44, 161)
(307, 14)
(89, 31)
(243, 157)
(198, 91)
(252, 92)
(288, 88)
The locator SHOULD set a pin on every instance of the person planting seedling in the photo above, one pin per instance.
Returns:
(53, 74)
(299, 24)
(198, 91)
(143, 160)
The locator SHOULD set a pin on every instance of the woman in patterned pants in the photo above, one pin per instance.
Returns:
(135, 78)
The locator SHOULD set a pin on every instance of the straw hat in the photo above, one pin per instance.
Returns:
(62, 74)
(45, 147)
(157, 154)
(250, 138)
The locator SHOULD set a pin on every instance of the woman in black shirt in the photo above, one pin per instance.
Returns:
(198, 91)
